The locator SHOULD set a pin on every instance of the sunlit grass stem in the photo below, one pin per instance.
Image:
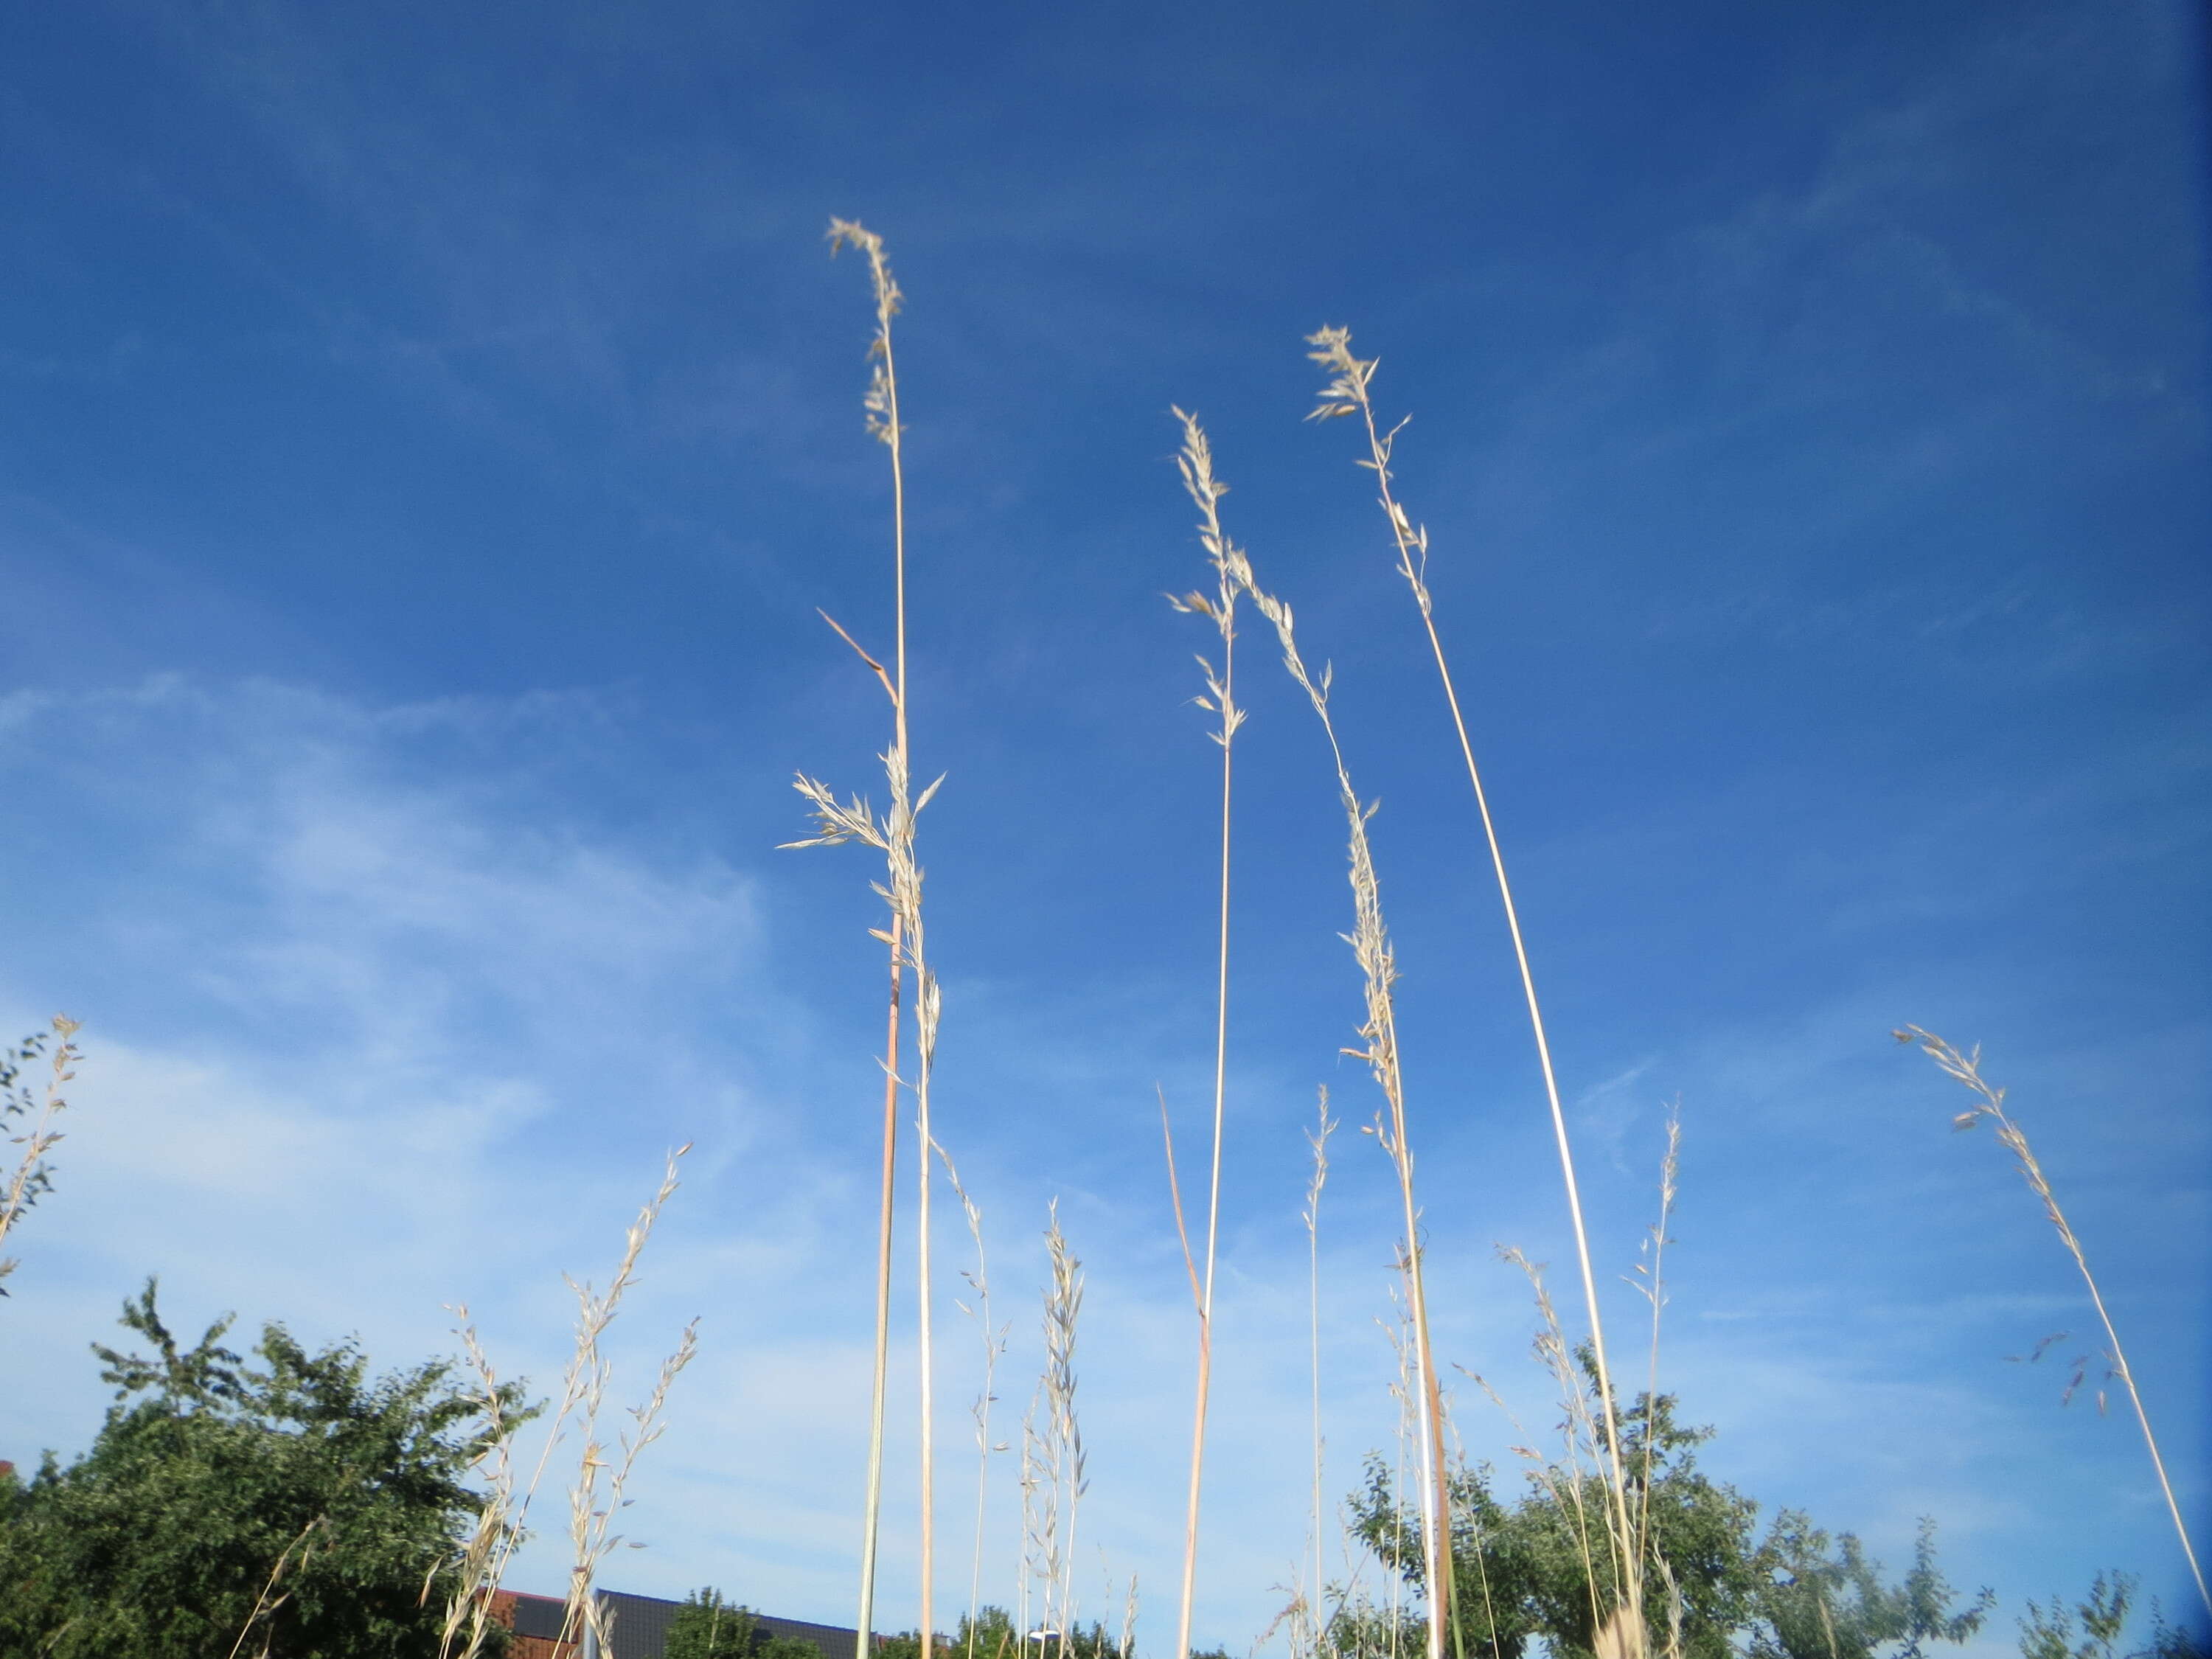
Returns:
(894, 837)
(1346, 393)
(1371, 948)
(1230, 575)
(1317, 1139)
(1967, 1068)
(590, 1513)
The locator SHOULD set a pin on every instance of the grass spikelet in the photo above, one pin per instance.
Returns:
(1990, 1103)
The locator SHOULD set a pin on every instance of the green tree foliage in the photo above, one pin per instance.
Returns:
(1538, 1565)
(2048, 1633)
(993, 1634)
(707, 1627)
(297, 1506)
(1820, 1600)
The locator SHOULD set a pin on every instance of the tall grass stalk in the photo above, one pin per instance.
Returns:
(894, 837)
(994, 1347)
(1967, 1068)
(1345, 394)
(1371, 945)
(591, 1514)
(482, 1560)
(1653, 1284)
(1039, 1539)
(501, 1525)
(1068, 1468)
(1576, 1429)
(1231, 575)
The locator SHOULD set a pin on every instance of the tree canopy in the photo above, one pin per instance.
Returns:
(1536, 1565)
(707, 1627)
(297, 1506)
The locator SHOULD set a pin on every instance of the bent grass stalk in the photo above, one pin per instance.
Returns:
(1967, 1068)
(1346, 393)
(1230, 574)
(1371, 945)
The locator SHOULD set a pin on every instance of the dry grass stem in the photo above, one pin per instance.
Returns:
(1317, 1139)
(1577, 1430)
(1967, 1068)
(269, 1598)
(482, 1560)
(29, 1177)
(590, 1513)
(1652, 1283)
(894, 837)
(1346, 393)
(995, 1348)
(1195, 462)
(1065, 1464)
(1370, 945)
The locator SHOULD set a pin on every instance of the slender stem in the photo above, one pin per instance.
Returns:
(895, 838)
(1212, 1219)
(1371, 942)
(1350, 392)
(1319, 1140)
(1196, 465)
(887, 303)
(1967, 1068)
(871, 1525)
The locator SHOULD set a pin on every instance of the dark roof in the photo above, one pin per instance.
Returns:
(640, 1625)
(539, 1615)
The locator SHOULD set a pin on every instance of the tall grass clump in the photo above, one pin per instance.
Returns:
(893, 835)
(1231, 575)
(1346, 394)
(1990, 1103)
(1370, 943)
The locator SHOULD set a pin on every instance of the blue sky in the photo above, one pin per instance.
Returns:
(425, 439)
